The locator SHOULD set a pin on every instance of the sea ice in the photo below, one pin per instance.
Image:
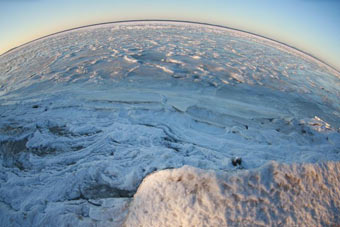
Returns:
(139, 123)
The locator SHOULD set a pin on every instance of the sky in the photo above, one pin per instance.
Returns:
(310, 25)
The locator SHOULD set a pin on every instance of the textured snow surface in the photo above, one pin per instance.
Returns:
(273, 195)
(86, 115)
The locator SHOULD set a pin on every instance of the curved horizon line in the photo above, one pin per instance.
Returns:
(180, 21)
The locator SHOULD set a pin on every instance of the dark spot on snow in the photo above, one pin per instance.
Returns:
(60, 131)
(246, 126)
(71, 163)
(35, 106)
(14, 154)
(77, 148)
(115, 141)
(177, 110)
(170, 139)
(94, 203)
(101, 191)
(42, 151)
(12, 130)
(171, 145)
(236, 161)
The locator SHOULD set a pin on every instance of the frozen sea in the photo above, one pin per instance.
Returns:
(138, 124)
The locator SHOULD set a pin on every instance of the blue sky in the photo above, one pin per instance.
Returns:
(310, 25)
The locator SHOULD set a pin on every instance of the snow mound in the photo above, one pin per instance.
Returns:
(275, 194)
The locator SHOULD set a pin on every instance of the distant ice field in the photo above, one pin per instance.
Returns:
(87, 114)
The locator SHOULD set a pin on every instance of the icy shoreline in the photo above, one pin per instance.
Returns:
(89, 115)
(81, 164)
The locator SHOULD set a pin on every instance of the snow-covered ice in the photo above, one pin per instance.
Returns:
(138, 123)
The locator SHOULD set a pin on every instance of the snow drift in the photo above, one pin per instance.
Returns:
(273, 195)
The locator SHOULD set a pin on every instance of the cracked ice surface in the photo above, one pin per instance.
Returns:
(86, 115)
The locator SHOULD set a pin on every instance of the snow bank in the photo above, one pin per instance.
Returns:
(273, 195)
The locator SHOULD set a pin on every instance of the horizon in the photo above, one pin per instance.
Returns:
(308, 25)
(315, 58)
